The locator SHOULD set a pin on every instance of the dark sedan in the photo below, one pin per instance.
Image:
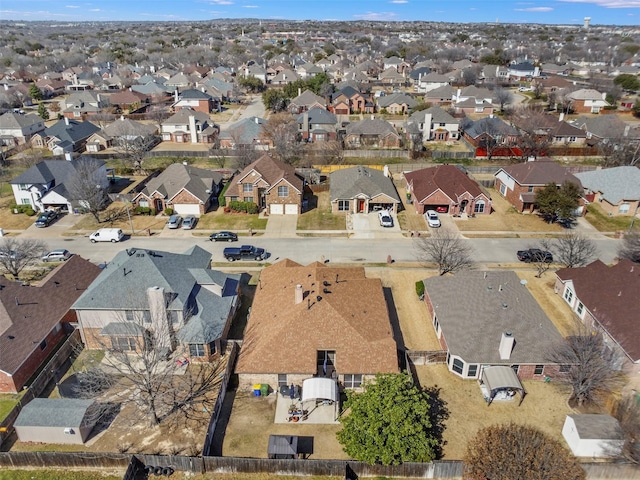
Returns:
(534, 255)
(223, 237)
(45, 218)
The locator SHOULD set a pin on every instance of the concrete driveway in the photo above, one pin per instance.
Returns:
(54, 230)
(367, 225)
(281, 226)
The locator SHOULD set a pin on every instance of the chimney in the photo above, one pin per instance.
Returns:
(257, 120)
(175, 95)
(122, 118)
(192, 129)
(299, 294)
(160, 321)
(561, 117)
(299, 91)
(66, 121)
(305, 122)
(68, 156)
(626, 130)
(98, 98)
(506, 345)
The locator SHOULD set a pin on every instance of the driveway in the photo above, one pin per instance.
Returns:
(255, 108)
(54, 230)
(367, 225)
(281, 226)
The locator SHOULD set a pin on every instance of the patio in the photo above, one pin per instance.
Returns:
(318, 402)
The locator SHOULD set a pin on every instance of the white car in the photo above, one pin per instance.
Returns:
(386, 220)
(432, 218)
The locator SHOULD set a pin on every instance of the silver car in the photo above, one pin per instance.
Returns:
(174, 221)
(189, 222)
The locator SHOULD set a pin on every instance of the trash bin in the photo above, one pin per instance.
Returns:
(1, 232)
(256, 389)
(264, 390)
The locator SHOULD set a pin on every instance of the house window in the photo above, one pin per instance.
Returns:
(343, 205)
(196, 349)
(442, 124)
(503, 189)
(472, 371)
(624, 208)
(479, 207)
(568, 296)
(572, 139)
(129, 316)
(43, 344)
(564, 368)
(530, 188)
(458, 365)
(23, 186)
(123, 344)
(144, 203)
(352, 380)
(283, 191)
(247, 187)
(515, 368)
(247, 199)
(539, 370)
(146, 316)
(326, 361)
(436, 323)
(25, 201)
(580, 308)
(282, 380)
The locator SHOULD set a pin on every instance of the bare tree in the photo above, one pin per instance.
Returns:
(282, 131)
(627, 412)
(620, 151)
(446, 249)
(588, 366)
(503, 97)
(630, 248)
(16, 254)
(88, 186)
(332, 151)
(573, 249)
(541, 261)
(534, 140)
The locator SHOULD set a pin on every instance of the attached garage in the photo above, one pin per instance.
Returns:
(276, 209)
(187, 208)
(283, 209)
(291, 209)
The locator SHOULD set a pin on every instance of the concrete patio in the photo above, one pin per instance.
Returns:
(318, 412)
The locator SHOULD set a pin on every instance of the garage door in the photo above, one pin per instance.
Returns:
(187, 208)
(291, 209)
(276, 209)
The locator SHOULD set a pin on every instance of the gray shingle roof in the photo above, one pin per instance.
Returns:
(349, 182)
(57, 171)
(17, 120)
(375, 126)
(54, 412)
(244, 132)
(72, 132)
(616, 184)
(597, 426)
(438, 115)
(491, 126)
(179, 176)
(399, 98)
(540, 173)
(318, 116)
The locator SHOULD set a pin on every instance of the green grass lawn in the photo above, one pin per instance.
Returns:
(7, 402)
(597, 217)
(231, 221)
(319, 216)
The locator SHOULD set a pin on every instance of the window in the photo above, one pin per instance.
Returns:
(530, 188)
(144, 203)
(123, 344)
(283, 191)
(472, 371)
(565, 368)
(436, 323)
(212, 348)
(146, 316)
(25, 201)
(539, 370)
(568, 296)
(503, 189)
(23, 186)
(343, 205)
(442, 124)
(572, 139)
(580, 308)
(129, 315)
(196, 349)
(458, 365)
(479, 207)
(247, 199)
(624, 208)
(43, 344)
(282, 380)
(352, 380)
(515, 368)
(247, 187)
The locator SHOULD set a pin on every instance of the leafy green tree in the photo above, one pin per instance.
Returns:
(390, 422)
(558, 204)
(34, 92)
(492, 59)
(252, 84)
(507, 452)
(627, 81)
(275, 100)
(43, 112)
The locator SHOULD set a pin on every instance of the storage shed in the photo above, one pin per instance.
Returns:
(593, 435)
(283, 446)
(52, 420)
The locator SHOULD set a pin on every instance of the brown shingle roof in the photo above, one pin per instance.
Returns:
(448, 178)
(611, 295)
(351, 317)
(29, 313)
(540, 173)
(268, 169)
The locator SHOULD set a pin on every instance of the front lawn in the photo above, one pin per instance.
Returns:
(231, 221)
(115, 216)
(597, 217)
(319, 216)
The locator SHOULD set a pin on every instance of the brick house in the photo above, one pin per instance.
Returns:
(507, 327)
(269, 183)
(519, 183)
(587, 100)
(617, 189)
(374, 132)
(348, 100)
(33, 319)
(196, 100)
(362, 190)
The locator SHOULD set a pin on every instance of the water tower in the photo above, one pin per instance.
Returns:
(587, 20)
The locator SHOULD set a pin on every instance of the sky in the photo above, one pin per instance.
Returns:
(602, 12)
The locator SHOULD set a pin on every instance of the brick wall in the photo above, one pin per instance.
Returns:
(293, 196)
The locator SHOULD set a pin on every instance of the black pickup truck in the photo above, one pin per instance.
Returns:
(245, 252)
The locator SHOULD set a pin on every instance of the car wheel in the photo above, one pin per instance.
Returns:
(230, 240)
(258, 259)
(113, 240)
(93, 241)
(231, 259)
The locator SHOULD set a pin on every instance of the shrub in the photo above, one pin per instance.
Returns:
(30, 212)
(247, 207)
(420, 289)
(168, 211)
(221, 200)
(145, 210)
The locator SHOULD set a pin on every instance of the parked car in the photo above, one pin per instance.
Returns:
(245, 252)
(432, 218)
(45, 218)
(106, 235)
(174, 221)
(189, 222)
(535, 255)
(8, 254)
(223, 237)
(59, 255)
(385, 218)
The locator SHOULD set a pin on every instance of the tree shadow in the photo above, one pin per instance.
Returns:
(438, 414)
(395, 324)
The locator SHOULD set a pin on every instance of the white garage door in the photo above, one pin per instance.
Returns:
(276, 209)
(187, 208)
(291, 209)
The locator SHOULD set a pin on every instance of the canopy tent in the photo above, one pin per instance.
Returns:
(320, 388)
(501, 378)
(283, 446)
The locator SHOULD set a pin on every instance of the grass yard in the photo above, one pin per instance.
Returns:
(597, 217)
(7, 402)
(408, 219)
(13, 221)
(319, 216)
(115, 216)
(219, 220)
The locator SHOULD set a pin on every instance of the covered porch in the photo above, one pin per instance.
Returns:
(318, 404)
(501, 383)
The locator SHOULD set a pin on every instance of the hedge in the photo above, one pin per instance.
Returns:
(221, 200)
(420, 288)
(248, 207)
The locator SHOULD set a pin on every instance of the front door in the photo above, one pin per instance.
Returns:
(463, 206)
(360, 206)
(158, 205)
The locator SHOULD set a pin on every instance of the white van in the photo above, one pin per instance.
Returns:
(106, 235)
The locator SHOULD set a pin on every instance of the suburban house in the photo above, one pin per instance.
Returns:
(435, 124)
(362, 190)
(523, 70)
(606, 127)
(306, 101)
(43, 185)
(587, 100)
(125, 133)
(519, 183)
(605, 298)
(57, 420)
(284, 77)
(396, 103)
(33, 318)
(51, 87)
(246, 133)
(432, 81)
(185, 189)
(507, 327)
(617, 189)
(372, 133)
(65, 136)
(129, 99)
(270, 184)
(440, 96)
(18, 129)
(196, 100)
(446, 189)
(492, 137)
(171, 300)
(341, 320)
(79, 105)
(189, 126)
(317, 125)
(349, 100)
(593, 435)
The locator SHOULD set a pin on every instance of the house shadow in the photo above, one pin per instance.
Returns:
(395, 325)
(239, 323)
(215, 450)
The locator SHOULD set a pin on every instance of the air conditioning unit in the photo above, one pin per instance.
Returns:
(69, 431)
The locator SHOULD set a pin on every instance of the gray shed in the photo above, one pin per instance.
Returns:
(52, 420)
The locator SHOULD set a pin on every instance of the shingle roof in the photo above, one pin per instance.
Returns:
(448, 178)
(307, 98)
(616, 184)
(368, 126)
(349, 182)
(72, 132)
(540, 173)
(594, 426)
(499, 303)
(351, 318)
(318, 116)
(489, 125)
(181, 117)
(611, 295)
(244, 132)
(269, 170)
(58, 171)
(54, 412)
(193, 94)
(178, 177)
(438, 115)
(12, 120)
(399, 98)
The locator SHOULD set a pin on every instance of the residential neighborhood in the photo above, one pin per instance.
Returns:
(420, 246)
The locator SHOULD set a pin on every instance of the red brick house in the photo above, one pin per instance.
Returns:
(33, 317)
(447, 189)
(269, 183)
(519, 183)
(349, 100)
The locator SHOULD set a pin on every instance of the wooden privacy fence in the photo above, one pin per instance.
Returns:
(419, 357)
(375, 153)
